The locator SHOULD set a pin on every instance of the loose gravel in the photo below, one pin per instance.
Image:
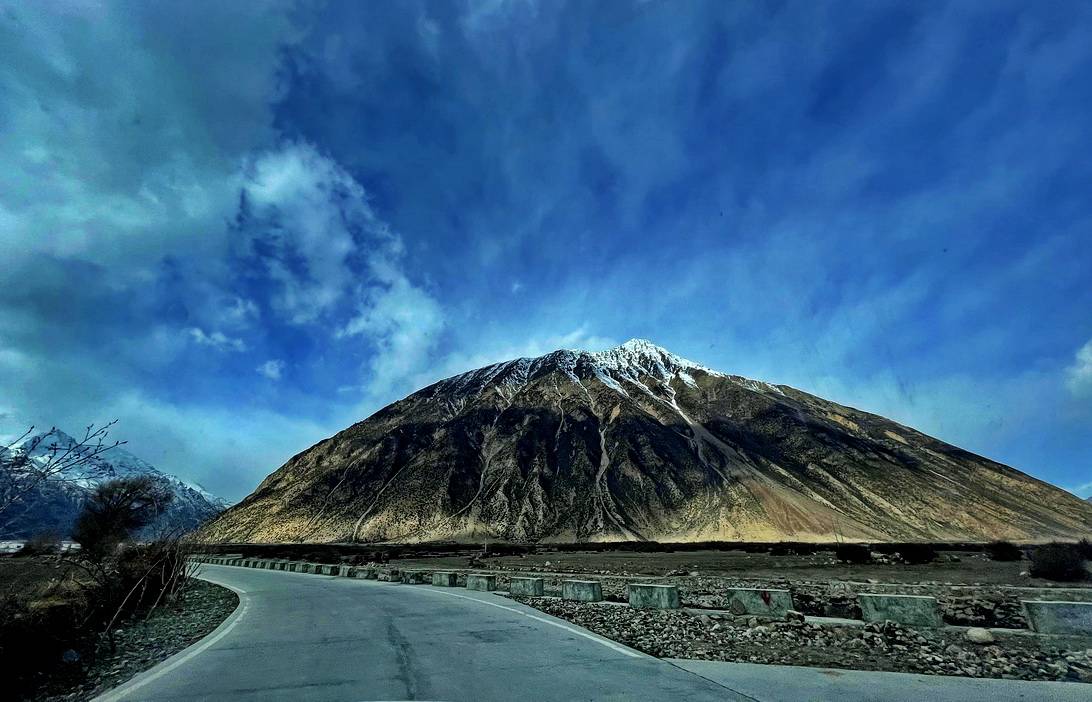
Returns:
(142, 643)
(877, 646)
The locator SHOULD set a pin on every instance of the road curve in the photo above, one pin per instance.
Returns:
(306, 637)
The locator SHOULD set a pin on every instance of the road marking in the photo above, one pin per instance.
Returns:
(591, 637)
(185, 655)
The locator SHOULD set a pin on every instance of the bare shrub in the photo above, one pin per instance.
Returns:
(1004, 551)
(853, 553)
(1058, 561)
(115, 510)
(26, 464)
(917, 554)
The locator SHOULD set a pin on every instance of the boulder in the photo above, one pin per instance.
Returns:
(979, 635)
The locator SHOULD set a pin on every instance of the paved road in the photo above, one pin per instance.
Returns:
(307, 637)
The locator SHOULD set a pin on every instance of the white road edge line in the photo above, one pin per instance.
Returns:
(609, 644)
(184, 655)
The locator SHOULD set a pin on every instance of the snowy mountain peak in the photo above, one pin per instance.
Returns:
(643, 355)
(619, 367)
(643, 346)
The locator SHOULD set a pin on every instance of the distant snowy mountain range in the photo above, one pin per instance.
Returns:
(54, 504)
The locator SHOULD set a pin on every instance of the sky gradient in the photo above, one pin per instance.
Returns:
(241, 227)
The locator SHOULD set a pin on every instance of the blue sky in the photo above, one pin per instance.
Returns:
(240, 227)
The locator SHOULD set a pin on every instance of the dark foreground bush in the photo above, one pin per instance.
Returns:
(853, 553)
(1004, 551)
(1086, 548)
(1057, 561)
(51, 631)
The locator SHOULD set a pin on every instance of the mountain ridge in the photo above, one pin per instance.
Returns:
(638, 443)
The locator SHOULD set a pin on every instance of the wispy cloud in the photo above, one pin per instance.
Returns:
(1079, 375)
(272, 369)
(217, 340)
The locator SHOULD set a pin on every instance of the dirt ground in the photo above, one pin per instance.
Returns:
(970, 568)
(21, 574)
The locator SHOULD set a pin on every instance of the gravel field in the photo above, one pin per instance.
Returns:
(140, 644)
(879, 646)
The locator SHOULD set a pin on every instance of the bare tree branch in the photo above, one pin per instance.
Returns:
(29, 464)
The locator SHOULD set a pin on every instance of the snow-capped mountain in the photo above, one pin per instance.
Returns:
(638, 443)
(54, 504)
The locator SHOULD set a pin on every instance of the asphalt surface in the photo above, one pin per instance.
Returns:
(297, 636)
(305, 637)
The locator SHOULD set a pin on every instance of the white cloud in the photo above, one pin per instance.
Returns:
(1079, 375)
(217, 340)
(120, 144)
(310, 219)
(402, 322)
(271, 369)
(329, 255)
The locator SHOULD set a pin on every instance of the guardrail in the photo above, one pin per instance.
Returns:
(1044, 617)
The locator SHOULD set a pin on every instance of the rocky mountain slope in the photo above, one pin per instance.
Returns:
(637, 443)
(53, 505)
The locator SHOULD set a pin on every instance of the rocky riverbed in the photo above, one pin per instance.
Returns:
(878, 646)
(139, 644)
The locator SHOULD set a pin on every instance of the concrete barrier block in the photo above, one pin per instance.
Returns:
(330, 570)
(582, 590)
(527, 587)
(1056, 617)
(759, 602)
(481, 582)
(417, 577)
(648, 596)
(911, 610)
(444, 579)
(392, 575)
(343, 570)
